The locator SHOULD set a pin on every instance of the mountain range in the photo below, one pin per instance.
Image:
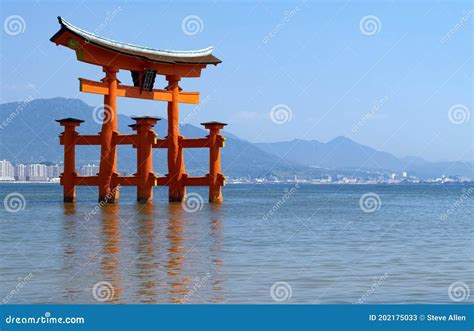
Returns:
(29, 134)
(343, 154)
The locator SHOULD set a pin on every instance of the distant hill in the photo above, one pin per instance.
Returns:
(29, 133)
(344, 154)
(340, 152)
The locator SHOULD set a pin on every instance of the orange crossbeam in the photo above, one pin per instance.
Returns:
(130, 139)
(160, 143)
(194, 142)
(161, 181)
(132, 181)
(87, 140)
(197, 181)
(93, 139)
(188, 181)
(87, 180)
(125, 181)
(94, 181)
(90, 86)
(125, 139)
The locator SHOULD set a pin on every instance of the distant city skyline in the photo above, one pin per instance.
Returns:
(40, 171)
(393, 76)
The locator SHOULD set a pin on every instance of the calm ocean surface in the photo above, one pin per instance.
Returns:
(316, 239)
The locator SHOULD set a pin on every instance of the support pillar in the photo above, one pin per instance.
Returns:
(216, 179)
(176, 169)
(108, 152)
(69, 174)
(145, 174)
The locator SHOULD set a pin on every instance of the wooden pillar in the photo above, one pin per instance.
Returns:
(216, 179)
(68, 177)
(145, 174)
(108, 152)
(176, 169)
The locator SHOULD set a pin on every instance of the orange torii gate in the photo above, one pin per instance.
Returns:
(144, 64)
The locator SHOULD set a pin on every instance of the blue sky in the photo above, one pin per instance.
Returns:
(390, 88)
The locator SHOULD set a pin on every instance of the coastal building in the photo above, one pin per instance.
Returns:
(20, 172)
(36, 172)
(89, 170)
(53, 171)
(7, 172)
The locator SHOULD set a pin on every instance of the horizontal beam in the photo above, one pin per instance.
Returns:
(197, 181)
(161, 181)
(87, 140)
(133, 181)
(132, 139)
(126, 139)
(160, 143)
(93, 139)
(188, 181)
(125, 181)
(194, 142)
(86, 180)
(94, 181)
(90, 86)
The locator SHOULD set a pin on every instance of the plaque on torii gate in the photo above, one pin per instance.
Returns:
(144, 64)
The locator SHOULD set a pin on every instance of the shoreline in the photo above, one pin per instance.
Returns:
(277, 183)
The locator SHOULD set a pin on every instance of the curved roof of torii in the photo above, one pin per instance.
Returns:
(202, 56)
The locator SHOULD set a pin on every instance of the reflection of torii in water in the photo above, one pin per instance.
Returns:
(146, 256)
(144, 64)
(111, 255)
(179, 284)
(179, 267)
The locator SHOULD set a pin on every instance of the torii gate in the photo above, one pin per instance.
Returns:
(144, 64)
